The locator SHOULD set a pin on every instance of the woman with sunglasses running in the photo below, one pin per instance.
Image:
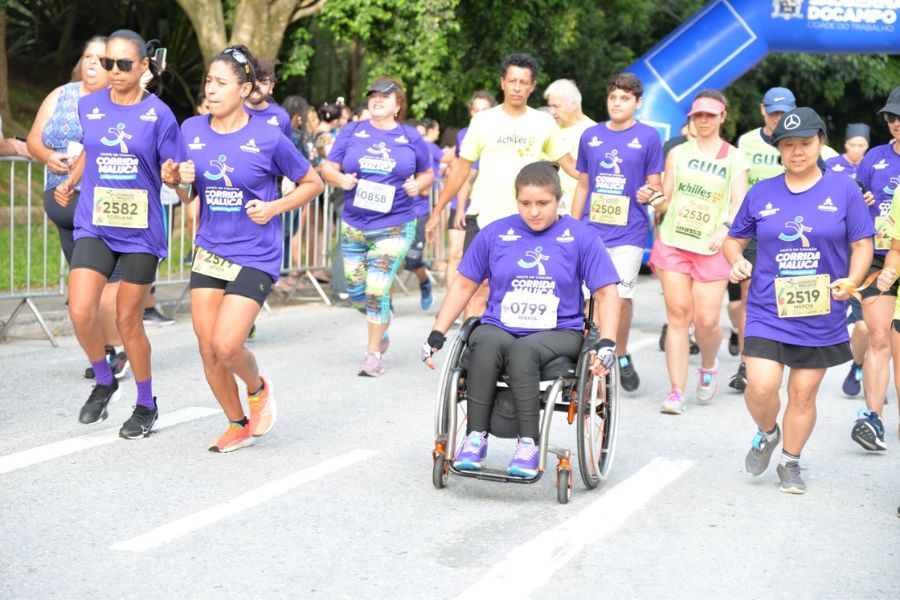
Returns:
(234, 161)
(879, 177)
(55, 140)
(128, 134)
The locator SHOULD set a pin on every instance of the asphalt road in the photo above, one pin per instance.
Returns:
(337, 501)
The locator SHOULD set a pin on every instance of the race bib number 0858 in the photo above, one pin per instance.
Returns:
(374, 196)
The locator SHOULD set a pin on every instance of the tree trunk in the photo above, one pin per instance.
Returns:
(208, 20)
(4, 72)
(258, 24)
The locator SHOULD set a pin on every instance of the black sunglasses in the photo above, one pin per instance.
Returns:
(238, 56)
(891, 117)
(124, 64)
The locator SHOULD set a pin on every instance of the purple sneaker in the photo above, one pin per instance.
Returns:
(372, 366)
(473, 451)
(525, 461)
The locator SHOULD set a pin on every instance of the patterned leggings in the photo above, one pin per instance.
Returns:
(371, 260)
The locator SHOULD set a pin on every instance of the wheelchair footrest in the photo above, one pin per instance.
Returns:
(500, 475)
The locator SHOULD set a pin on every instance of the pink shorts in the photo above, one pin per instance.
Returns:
(701, 267)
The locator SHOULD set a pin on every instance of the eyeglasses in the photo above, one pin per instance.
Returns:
(891, 117)
(124, 64)
(238, 56)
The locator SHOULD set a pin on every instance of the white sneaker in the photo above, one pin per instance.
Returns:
(708, 384)
(674, 404)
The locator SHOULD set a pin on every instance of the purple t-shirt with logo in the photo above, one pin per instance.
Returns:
(460, 135)
(232, 169)
(879, 172)
(386, 157)
(423, 202)
(274, 115)
(806, 233)
(125, 148)
(617, 164)
(840, 164)
(554, 262)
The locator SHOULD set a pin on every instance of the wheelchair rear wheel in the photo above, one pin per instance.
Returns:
(597, 422)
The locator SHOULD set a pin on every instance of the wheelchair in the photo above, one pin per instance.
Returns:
(567, 386)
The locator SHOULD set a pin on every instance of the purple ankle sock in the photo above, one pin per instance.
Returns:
(102, 372)
(145, 394)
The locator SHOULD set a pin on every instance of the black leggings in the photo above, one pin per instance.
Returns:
(494, 350)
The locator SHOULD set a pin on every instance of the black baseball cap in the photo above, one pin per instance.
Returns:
(383, 86)
(800, 122)
(893, 103)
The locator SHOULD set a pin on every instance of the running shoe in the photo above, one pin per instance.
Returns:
(110, 355)
(739, 379)
(234, 438)
(868, 431)
(94, 409)
(472, 453)
(734, 347)
(372, 366)
(140, 423)
(760, 453)
(695, 347)
(789, 474)
(427, 298)
(154, 317)
(628, 377)
(119, 365)
(263, 411)
(708, 384)
(852, 385)
(526, 459)
(674, 404)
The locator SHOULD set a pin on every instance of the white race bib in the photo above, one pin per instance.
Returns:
(528, 310)
(374, 196)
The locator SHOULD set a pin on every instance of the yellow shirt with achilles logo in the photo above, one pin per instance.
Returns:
(893, 230)
(701, 199)
(503, 145)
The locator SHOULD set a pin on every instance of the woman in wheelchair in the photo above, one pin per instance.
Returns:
(535, 262)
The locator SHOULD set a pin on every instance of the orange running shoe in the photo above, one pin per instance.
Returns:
(234, 438)
(262, 410)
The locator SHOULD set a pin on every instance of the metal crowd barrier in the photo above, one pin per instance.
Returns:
(32, 266)
(29, 269)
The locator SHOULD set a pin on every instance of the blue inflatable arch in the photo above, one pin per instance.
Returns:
(727, 38)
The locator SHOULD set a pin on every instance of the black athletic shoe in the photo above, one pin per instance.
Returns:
(695, 349)
(119, 365)
(739, 379)
(140, 423)
(94, 409)
(110, 356)
(628, 377)
(154, 317)
(733, 346)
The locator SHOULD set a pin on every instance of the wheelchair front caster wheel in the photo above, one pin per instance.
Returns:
(439, 471)
(563, 489)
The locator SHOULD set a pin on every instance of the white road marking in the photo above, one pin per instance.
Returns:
(33, 456)
(181, 527)
(545, 554)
